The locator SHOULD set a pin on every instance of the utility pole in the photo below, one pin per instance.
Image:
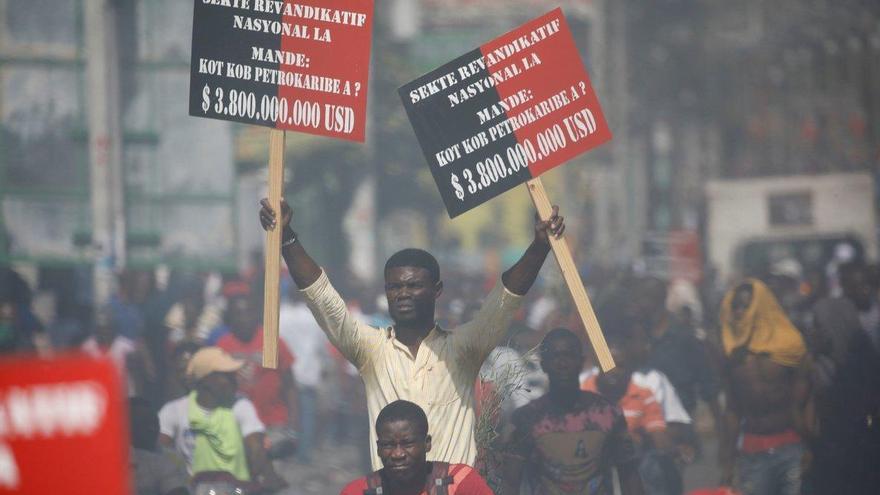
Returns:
(105, 146)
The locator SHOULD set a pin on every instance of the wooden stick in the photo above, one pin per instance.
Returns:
(273, 252)
(572, 278)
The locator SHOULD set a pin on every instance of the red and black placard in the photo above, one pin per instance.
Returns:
(295, 65)
(504, 113)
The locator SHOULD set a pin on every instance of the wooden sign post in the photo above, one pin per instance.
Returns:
(503, 114)
(290, 65)
(273, 252)
(572, 278)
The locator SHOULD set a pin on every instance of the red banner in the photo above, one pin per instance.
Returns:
(61, 427)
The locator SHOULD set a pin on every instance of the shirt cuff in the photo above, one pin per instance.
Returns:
(313, 291)
(506, 296)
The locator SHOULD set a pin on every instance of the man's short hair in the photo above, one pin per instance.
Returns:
(403, 410)
(560, 334)
(418, 258)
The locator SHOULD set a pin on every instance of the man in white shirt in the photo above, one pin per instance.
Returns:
(415, 359)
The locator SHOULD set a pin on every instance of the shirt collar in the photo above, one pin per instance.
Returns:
(437, 330)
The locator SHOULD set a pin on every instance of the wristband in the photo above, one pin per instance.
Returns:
(288, 237)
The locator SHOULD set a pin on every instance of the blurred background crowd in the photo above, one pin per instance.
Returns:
(746, 143)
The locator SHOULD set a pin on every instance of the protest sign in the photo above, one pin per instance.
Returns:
(300, 66)
(503, 114)
(290, 65)
(62, 427)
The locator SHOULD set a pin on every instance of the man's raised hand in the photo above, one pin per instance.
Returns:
(555, 226)
(267, 215)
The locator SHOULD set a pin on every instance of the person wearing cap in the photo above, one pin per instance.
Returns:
(218, 434)
(415, 359)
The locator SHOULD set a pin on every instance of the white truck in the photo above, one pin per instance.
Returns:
(754, 222)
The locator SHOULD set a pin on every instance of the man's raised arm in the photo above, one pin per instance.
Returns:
(487, 329)
(328, 308)
(520, 277)
(302, 267)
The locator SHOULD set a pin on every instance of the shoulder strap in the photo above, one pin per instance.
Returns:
(440, 480)
(374, 483)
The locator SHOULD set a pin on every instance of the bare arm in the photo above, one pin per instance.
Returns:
(259, 464)
(329, 309)
(302, 267)
(520, 277)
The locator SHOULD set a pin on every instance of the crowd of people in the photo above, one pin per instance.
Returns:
(484, 390)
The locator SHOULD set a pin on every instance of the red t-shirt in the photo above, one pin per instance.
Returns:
(261, 385)
(466, 481)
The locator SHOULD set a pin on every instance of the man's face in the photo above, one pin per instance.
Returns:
(562, 360)
(741, 301)
(241, 320)
(403, 450)
(223, 386)
(857, 288)
(104, 331)
(411, 294)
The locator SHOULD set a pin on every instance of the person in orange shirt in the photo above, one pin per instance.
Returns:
(626, 386)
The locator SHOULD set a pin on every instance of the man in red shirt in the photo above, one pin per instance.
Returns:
(403, 443)
(273, 392)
